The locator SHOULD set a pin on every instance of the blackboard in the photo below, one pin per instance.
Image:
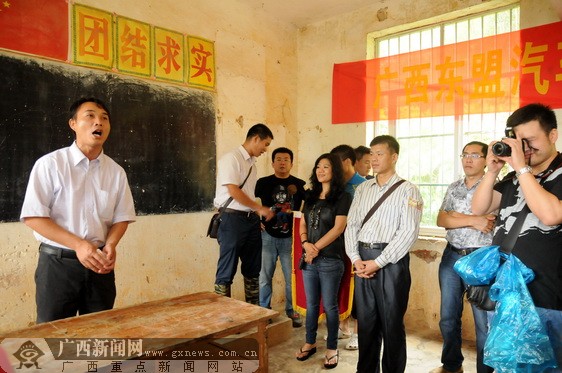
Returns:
(162, 135)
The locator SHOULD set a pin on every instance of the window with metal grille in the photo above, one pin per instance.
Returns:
(430, 147)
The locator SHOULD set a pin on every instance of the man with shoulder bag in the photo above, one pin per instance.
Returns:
(382, 226)
(239, 233)
(530, 149)
(466, 232)
(214, 224)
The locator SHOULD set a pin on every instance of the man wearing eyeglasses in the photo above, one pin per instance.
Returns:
(465, 233)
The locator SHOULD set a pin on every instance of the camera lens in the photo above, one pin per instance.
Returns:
(501, 149)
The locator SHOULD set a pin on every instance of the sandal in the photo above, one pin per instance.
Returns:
(308, 353)
(329, 365)
(353, 343)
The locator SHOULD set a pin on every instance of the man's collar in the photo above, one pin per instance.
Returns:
(475, 183)
(77, 156)
(244, 152)
(554, 165)
(394, 176)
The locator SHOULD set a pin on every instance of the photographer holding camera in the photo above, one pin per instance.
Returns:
(501, 148)
(536, 182)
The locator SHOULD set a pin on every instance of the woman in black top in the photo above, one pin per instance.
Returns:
(322, 225)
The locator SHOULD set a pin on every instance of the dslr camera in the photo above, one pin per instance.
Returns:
(501, 149)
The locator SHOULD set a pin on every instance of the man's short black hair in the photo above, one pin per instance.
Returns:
(344, 152)
(539, 112)
(260, 130)
(484, 146)
(361, 151)
(76, 105)
(388, 140)
(282, 150)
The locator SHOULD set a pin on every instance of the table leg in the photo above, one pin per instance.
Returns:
(262, 341)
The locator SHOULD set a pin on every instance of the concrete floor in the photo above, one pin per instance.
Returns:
(424, 354)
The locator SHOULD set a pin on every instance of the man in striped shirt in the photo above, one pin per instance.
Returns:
(379, 250)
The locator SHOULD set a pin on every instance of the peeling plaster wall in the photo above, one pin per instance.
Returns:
(168, 255)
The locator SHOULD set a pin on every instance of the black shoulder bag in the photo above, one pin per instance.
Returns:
(213, 229)
(479, 295)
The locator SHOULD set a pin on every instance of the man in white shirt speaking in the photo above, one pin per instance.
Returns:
(79, 205)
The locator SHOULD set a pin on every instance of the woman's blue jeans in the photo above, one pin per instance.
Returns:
(322, 280)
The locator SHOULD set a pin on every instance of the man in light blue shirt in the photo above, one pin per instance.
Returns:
(348, 158)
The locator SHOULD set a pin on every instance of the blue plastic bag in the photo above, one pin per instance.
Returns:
(480, 266)
(517, 341)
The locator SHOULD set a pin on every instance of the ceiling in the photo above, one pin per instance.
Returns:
(303, 12)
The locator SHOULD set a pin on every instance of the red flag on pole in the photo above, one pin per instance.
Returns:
(37, 27)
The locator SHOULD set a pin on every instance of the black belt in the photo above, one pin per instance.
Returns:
(239, 212)
(463, 252)
(373, 245)
(59, 252)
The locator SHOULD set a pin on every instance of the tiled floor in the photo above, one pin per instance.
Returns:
(424, 352)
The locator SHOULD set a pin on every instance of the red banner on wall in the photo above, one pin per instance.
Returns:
(37, 27)
(492, 74)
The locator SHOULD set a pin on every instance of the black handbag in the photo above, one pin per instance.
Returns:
(213, 228)
(479, 295)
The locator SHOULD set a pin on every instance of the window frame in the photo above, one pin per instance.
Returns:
(461, 122)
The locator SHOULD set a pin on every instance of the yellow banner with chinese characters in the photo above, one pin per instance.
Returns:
(134, 47)
(92, 37)
(169, 52)
(112, 42)
(201, 62)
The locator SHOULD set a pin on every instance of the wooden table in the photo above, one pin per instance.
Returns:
(190, 317)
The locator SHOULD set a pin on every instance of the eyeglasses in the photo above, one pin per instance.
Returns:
(472, 156)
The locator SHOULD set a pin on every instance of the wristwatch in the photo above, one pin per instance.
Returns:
(523, 170)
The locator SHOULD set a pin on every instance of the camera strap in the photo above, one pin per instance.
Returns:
(509, 241)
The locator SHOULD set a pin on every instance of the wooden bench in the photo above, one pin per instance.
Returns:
(189, 318)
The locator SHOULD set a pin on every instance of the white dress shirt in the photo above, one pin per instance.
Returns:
(396, 221)
(233, 168)
(84, 197)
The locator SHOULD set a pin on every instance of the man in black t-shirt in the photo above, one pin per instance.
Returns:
(536, 182)
(284, 193)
